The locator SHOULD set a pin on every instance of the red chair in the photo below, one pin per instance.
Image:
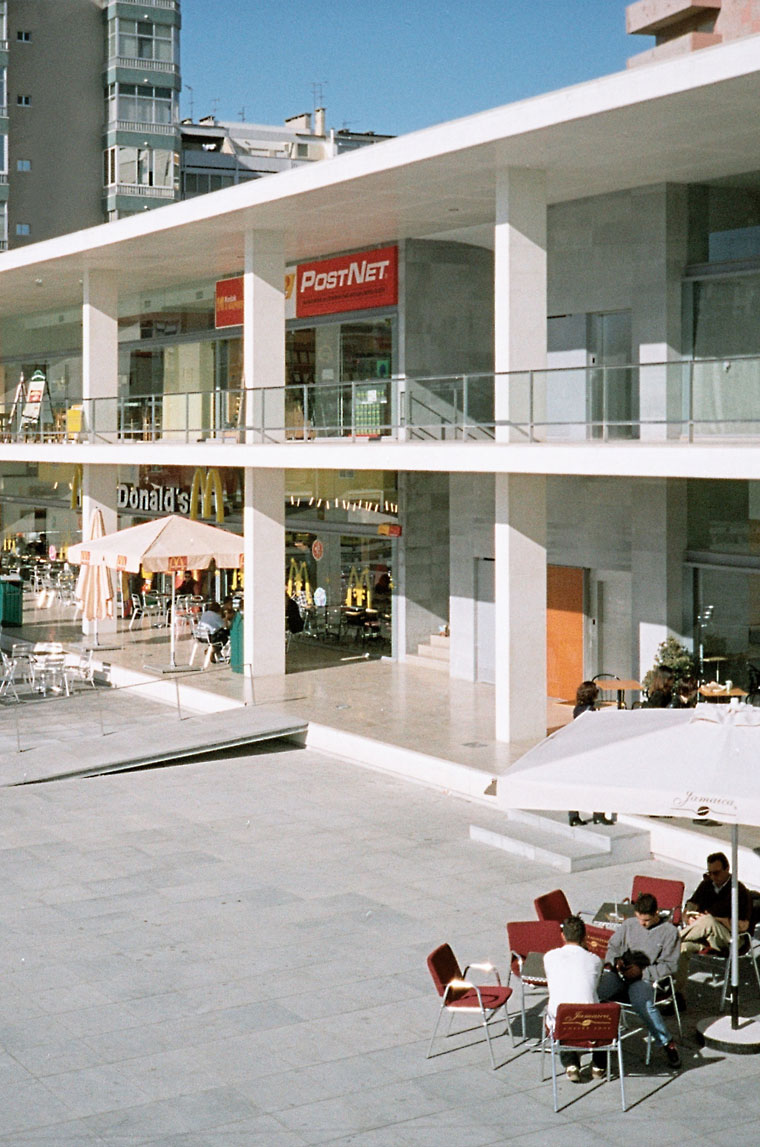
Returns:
(585, 1027)
(525, 937)
(667, 893)
(458, 994)
(554, 906)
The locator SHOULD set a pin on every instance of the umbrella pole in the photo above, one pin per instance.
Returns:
(172, 661)
(734, 927)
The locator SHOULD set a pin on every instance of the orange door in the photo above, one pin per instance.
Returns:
(564, 631)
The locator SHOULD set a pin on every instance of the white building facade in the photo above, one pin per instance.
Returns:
(508, 366)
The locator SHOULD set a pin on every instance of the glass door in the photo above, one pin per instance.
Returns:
(611, 401)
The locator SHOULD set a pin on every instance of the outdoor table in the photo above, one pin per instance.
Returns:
(619, 686)
(611, 914)
(720, 693)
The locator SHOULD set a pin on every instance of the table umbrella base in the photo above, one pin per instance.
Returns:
(717, 1033)
(173, 668)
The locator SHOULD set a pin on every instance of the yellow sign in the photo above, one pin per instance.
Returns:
(298, 580)
(359, 591)
(204, 487)
(76, 486)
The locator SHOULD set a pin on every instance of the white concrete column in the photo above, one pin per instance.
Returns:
(264, 568)
(520, 611)
(264, 332)
(519, 292)
(100, 352)
(99, 493)
(658, 544)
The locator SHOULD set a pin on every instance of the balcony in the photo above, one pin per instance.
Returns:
(715, 400)
(142, 127)
(173, 5)
(138, 64)
(141, 190)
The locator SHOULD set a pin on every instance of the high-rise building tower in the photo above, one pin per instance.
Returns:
(89, 101)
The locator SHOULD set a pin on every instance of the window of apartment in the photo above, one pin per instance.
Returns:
(23, 229)
(141, 103)
(144, 40)
(140, 166)
(24, 37)
(199, 183)
(3, 19)
(23, 165)
(3, 226)
(24, 101)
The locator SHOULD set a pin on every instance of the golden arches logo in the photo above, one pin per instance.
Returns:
(359, 590)
(298, 580)
(76, 486)
(204, 487)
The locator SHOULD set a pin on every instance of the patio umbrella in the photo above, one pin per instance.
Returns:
(94, 588)
(164, 545)
(696, 763)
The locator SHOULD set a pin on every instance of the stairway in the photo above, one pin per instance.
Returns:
(547, 838)
(432, 654)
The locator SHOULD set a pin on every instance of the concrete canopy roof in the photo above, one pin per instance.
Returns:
(690, 120)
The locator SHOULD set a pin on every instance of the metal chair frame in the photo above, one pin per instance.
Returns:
(608, 1015)
(462, 984)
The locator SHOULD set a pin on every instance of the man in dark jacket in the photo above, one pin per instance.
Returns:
(708, 915)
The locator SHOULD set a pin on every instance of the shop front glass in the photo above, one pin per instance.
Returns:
(346, 367)
(177, 376)
(724, 556)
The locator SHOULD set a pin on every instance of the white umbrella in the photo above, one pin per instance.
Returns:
(164, 545)
(697, 763)
(94, 588)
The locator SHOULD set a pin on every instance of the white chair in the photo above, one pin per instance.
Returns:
(79, 668)
(202, 638)
(7, 676)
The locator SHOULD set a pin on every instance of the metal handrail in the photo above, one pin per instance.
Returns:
(709, 397)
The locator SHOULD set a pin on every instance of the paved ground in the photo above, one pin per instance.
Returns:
(232, 954)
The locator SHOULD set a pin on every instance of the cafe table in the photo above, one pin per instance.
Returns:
(720, 692)
(618, 685)
(611, 914)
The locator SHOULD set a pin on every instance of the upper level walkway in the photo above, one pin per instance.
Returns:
(609, 418)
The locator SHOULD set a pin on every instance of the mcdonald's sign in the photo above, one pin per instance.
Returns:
(359, 590)
(298, 580)
(76, 486)
(205, 486)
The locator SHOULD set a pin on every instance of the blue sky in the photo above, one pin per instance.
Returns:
(392, 66)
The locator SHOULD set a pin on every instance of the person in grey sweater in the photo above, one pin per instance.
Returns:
(631, 980)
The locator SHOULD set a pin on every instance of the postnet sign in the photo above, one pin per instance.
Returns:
(355, 282)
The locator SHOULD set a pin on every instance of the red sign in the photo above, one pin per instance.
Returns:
(317, 550)
(348, 283)
(389, 530)
(228, 302)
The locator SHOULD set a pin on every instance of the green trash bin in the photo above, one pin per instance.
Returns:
(11, 601)
(236, 644)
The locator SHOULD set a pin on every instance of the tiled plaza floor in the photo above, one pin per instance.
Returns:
(232, 954)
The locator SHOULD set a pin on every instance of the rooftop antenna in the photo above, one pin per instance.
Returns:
(241, 113)
(318, 93)
(192, 103)
(215, 105)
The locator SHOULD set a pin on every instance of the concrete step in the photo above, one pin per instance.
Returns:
(427, 662)
(440, 640)
(434, 652)
(547, 838)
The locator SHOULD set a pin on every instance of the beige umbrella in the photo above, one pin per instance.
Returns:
(164, 545)
(94, 588)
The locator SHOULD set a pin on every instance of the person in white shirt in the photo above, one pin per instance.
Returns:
(572, 974)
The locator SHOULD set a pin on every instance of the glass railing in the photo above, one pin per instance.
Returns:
(671, 402)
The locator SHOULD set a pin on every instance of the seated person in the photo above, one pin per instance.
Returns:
(631, 980)
(707, 915)
(211, 618)
(572, 975)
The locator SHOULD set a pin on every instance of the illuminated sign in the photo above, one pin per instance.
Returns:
(348, 282)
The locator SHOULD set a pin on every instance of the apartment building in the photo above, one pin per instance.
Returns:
(90, 100)
(504, 371)
(218, 154)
